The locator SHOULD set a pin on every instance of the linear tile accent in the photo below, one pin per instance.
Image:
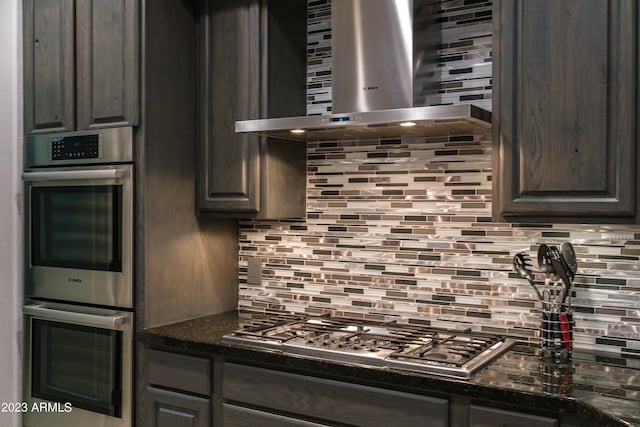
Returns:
(401, 228)
(319, 57)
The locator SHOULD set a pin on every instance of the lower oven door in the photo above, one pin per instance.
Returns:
(78, 366)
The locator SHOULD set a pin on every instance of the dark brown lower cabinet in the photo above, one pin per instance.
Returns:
(239, 416)
(482, 416)
(199, 391)
(318, 401)
(179, 390)
(170, 409)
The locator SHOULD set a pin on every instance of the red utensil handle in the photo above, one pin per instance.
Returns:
(565, 328)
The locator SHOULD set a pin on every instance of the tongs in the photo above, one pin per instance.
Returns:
(522, 264)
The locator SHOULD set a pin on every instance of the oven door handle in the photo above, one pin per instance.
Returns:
(116, 322)
(74, 175)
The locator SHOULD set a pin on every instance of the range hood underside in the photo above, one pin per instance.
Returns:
(438, 120)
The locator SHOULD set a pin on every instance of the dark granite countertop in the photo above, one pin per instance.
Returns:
(603, 388)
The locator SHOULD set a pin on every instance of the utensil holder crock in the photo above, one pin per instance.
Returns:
(556, 332)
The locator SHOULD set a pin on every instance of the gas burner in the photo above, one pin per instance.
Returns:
(456, 353)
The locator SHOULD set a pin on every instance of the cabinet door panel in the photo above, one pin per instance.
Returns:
(168, 409)
(107, 63)
(49, 76)
(253, 65)
(232, 85)
(565, 110)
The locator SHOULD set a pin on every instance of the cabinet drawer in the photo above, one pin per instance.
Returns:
(330, 400)
(179, 371)
(237, 416)
(480, 416)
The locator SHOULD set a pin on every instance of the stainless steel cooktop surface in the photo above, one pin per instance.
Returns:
(450, 352)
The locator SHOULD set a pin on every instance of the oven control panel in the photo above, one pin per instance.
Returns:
(86, 147)
(75, 147)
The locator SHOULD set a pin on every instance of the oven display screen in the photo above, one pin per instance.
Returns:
(75, 147)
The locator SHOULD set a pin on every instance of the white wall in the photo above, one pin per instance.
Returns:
(10, 207)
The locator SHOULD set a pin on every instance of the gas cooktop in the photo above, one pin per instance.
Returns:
(449, 352)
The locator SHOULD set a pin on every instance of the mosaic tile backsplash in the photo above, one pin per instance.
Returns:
(401, 228)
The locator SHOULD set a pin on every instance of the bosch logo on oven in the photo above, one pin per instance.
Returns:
(74, 280)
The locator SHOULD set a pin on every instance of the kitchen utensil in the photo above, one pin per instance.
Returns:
(546, 295)
(522, 264)
(551, 254)
(559, 266)
(544, 259)
(569, 258)
(561, 298)
(565, 328)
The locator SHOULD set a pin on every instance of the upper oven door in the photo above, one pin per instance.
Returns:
(79, 234)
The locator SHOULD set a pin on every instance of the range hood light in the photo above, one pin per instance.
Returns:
(297, 131)
(407, 124)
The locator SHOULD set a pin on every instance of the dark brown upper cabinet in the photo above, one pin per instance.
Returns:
(81, 64)
(252, 66)
(565, 111)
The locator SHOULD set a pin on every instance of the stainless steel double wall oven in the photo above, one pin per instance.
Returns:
(78, 190)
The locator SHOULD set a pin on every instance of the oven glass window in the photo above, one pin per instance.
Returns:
(77, 364)
(77, 227)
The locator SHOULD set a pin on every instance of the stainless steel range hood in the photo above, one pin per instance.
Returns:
(376, 57)
(428, 121)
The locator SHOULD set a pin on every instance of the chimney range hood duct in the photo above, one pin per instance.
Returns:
(376, 57)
